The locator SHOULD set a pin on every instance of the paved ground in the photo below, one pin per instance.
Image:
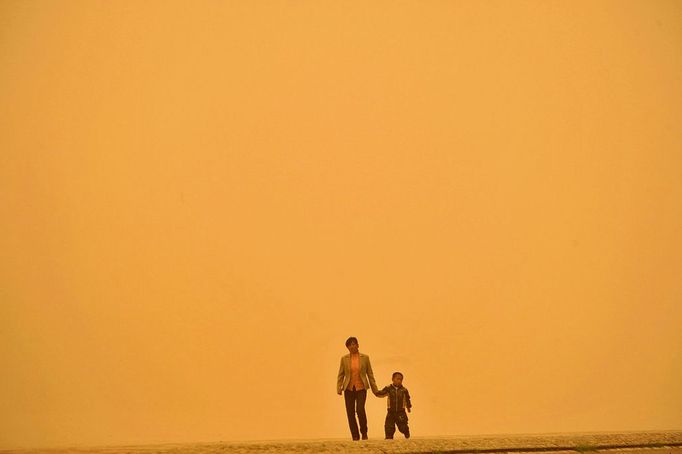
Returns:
(615, 443)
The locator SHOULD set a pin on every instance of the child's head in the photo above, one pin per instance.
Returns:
(397, 378)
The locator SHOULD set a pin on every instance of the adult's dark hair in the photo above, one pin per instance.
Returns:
(350, 340)
(397, 373)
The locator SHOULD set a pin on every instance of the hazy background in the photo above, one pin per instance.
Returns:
(200, 201)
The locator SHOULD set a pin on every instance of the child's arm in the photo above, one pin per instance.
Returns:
(382, 392)
(408, 402)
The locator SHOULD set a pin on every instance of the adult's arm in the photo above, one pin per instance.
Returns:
(370, 375)
(339, 378)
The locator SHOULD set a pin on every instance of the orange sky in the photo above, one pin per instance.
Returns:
(202, 200)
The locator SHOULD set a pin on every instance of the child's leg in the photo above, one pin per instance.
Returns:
(401, 421)
(389, 425)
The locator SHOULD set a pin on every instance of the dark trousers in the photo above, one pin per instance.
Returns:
(355, 402)
(396, 418)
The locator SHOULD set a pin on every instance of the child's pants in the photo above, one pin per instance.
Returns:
(398, 418)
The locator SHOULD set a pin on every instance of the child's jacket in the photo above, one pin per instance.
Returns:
(398, 398)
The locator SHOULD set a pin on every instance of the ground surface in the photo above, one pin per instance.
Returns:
(616, 443)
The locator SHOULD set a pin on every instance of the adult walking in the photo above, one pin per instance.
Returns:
(355, 376)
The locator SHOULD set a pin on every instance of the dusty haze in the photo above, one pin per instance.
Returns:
(202, 200)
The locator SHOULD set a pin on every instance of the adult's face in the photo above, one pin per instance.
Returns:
(353, 347)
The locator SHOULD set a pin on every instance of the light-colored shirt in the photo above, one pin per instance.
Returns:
(355, 379)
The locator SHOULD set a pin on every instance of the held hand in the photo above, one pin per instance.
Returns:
(409, 410)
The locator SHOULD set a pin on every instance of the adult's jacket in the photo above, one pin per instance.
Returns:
(366, 374)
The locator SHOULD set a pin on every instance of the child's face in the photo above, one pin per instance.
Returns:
(398, 380)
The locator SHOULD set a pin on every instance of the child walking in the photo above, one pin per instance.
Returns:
(398, 401)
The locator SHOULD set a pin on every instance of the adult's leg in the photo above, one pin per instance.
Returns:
(389, 424)
(362, 416)
(349, 397)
